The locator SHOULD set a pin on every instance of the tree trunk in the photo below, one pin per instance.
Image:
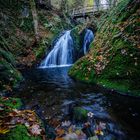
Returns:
(35, 18)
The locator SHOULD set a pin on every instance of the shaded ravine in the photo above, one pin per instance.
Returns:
(52, 90)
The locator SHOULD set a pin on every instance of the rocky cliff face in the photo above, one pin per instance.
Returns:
(18, 46)
(114, 58)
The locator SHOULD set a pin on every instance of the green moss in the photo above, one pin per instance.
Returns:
(9, 75)
(14, 103)
(118, 85)
(41, 49)
(76, 37)
(80, 114)
(8, 56)
(82, 71)
(19, 133)
(123, 86)
(26, 24)
(116, 42)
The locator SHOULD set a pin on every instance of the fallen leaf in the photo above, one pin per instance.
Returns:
(4, 130)
(99, 132)
(35, 129)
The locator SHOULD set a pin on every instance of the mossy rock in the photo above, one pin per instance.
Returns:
(9, 75)
(20, 132)
(8, 56)
(83, 71)
(14, 103)
(80, 114)
(114, 59)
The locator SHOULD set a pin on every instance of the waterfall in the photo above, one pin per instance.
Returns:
(62, 52)
(88, 38)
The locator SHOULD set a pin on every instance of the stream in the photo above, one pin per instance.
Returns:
(54, 95)
(53, 90)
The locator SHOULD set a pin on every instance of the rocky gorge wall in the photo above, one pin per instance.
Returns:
(113, 60)
(18, 46)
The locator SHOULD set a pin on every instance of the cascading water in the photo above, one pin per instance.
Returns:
(62, 53)
(88, 38)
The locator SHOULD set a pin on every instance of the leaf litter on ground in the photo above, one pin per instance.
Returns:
(10, 118)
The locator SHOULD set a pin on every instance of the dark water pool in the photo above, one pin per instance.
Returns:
(52, 89)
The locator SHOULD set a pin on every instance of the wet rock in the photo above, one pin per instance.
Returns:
(88, 130)
(68, 107)
(80, 114)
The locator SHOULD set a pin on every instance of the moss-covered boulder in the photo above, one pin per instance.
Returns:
(114, 59)
(9, 75)
(20, 132)
(13, 103)
(16, 124)
(80, 114)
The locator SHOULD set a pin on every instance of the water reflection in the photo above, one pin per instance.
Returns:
(53, 91)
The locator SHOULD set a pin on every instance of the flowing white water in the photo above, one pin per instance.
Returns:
(89, 36)
(61, 54)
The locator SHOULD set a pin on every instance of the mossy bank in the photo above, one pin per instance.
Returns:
(113, 60)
